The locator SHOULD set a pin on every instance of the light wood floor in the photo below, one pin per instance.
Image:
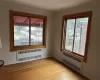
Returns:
(45, 69)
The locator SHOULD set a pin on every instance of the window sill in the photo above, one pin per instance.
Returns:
(16, 48)
(74, 55)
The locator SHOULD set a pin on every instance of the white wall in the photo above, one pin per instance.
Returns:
(5, 6)
(91, 68)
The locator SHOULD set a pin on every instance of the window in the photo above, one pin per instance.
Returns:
(27, 31)
(75, 34)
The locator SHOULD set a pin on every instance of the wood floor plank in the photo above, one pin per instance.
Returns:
(45, 69)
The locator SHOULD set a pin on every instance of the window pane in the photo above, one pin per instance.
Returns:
(36, 31)
(80, 35)
(21, 31)
(69, 34)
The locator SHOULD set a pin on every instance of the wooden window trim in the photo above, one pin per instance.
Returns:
(11, 21)
(75, 16)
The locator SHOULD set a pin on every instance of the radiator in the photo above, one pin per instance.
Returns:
(73, 62)
(26, 55)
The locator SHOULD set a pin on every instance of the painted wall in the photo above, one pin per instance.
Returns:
(54, 25)
(91, 69)
(5, 6)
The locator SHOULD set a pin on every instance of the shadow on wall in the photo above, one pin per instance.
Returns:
(5, 6)
(93, 50)
(93, 5)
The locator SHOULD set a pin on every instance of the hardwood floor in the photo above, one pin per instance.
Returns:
(45, 69)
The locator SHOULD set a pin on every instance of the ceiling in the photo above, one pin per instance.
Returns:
(51, 4)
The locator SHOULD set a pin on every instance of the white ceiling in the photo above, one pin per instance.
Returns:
(51, 4)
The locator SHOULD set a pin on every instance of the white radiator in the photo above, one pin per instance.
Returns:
(26, 55)
(73, 62)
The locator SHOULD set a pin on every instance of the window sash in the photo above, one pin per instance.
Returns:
(74, 38)
(75, 16)
(73, 43)
(30, 27)
(16, 13)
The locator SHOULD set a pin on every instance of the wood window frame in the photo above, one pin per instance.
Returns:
(11, 21)
(75, 16)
